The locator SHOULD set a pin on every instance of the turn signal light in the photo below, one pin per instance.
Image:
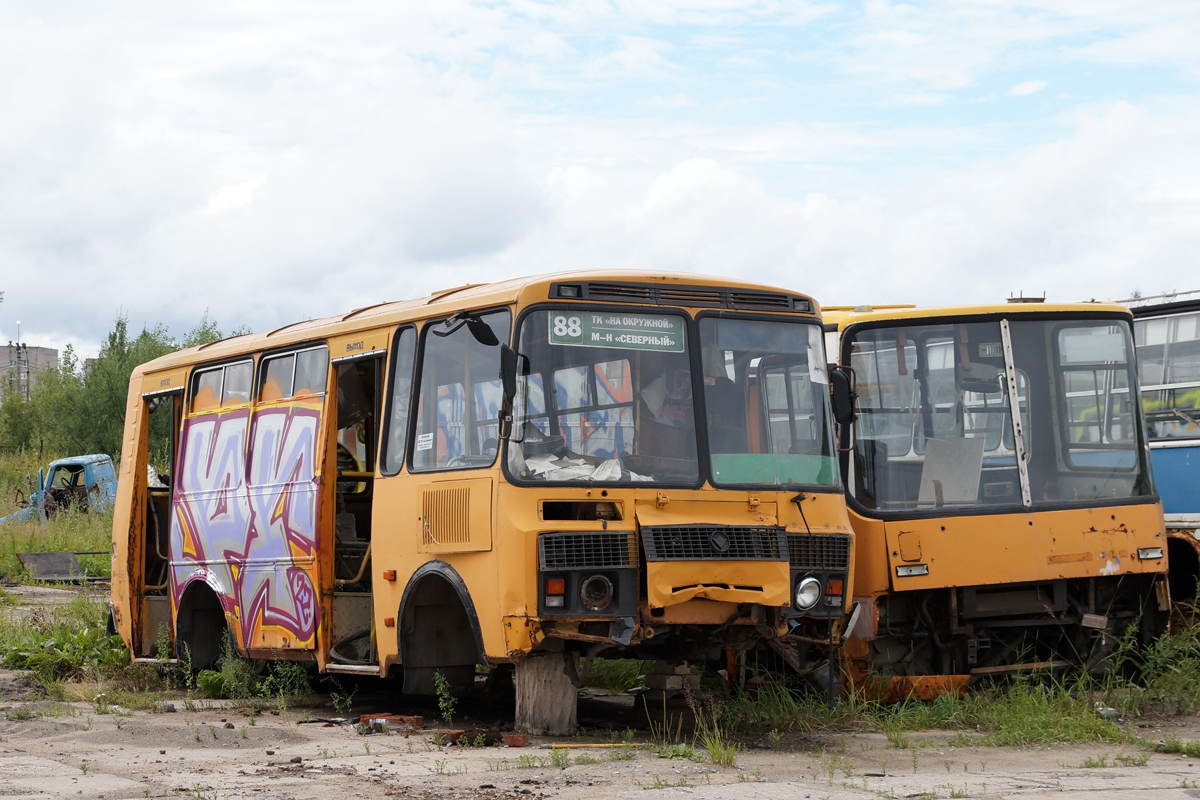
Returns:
(389, 574)
(556, 586)
(833, 587)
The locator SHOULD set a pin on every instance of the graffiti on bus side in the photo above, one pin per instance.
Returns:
(245, 519)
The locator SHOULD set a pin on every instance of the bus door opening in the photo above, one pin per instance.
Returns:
(358, 404)
(164, 415)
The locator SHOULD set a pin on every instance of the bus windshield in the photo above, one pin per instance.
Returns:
(604, 396)
(935, 425)
(610, 396)
(766, 395)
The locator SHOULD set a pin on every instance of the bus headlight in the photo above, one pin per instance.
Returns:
(596, 593)
(808, 592)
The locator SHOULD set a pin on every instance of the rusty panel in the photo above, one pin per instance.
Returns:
(128, 518)
(880, 689)
(1028, 547)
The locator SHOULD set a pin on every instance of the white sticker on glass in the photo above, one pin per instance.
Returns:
(425, 442)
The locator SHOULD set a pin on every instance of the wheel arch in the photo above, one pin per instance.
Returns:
(437, 570)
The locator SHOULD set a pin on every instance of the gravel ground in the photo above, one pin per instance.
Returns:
(215, 752)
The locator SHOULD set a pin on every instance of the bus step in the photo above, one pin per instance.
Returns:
(353, 669)
(171, 662)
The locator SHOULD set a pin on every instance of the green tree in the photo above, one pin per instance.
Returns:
(79, 408)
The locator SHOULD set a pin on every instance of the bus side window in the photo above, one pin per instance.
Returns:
(452, 433)
(277, 379)
(401, 383)
(206, 390)
(236, 389)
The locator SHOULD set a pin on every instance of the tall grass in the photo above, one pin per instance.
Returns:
(618, 674)
(17, 470)
(69, 531)
(1026, 711)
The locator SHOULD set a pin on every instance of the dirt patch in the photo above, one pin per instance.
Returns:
(16, 687)
(80, 752)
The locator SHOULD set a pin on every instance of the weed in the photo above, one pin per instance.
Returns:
(83, 767)
(286, 679)
(18, 714)
(367, 747)
(560, 758)
(623, 753)
(1173, 744)
(480, 740)
(714, 735)
(914, 758)
(195, 731)
(1096, 763)
(527, 761)
(245, 731)
(678, 750)
(618, 674)
(584, 758)
(446, 700)
(659, 783)
(1139, 760)
(88, 727)
(956, 792)
(896, 737)
(774, 736)
(342, 700)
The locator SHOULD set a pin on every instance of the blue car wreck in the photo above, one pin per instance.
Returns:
(86, 483)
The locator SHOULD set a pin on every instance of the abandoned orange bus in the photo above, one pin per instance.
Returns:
(999, 486)
(521, 473)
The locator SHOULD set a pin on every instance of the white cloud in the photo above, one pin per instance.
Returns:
(234, 196)
(674, 101)
(278, 161)
(1027, 87)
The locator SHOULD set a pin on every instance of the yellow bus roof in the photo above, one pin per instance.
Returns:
(528, 289)
(844, 316)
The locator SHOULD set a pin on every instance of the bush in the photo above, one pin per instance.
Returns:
(287, 679)
(61, 642)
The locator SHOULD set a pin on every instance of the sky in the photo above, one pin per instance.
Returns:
(268, 162)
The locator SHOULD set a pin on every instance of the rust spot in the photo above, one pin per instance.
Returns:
(1069, 558)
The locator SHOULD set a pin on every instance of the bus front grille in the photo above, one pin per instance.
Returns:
(587, 550)
(715, 543)
(823, 551)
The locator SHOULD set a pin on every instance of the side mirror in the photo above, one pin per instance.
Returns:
(843, 396)
(508, 372)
